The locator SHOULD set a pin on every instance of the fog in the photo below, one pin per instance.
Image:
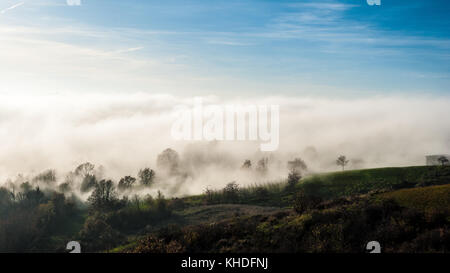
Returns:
(125, 132)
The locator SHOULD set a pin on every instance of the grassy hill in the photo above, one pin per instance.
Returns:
(331, 185)
(427, 199)
(391, 205)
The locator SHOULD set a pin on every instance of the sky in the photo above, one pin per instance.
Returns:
(226, 48)
(97, 82)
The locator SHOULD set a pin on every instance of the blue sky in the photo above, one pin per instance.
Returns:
(325, 48)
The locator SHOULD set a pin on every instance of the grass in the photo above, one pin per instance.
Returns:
(331, 185)
(427, 199)
(338, 184)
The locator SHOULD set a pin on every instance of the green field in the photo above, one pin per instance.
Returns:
(332, 185)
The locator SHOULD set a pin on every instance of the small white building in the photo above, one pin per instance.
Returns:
(433, 159)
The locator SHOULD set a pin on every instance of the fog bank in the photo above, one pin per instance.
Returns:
(124, 133)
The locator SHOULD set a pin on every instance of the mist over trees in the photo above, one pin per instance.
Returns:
(168, 162)
(174, 173)
(34, 208)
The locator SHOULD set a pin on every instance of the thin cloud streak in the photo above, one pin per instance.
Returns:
(12, 7)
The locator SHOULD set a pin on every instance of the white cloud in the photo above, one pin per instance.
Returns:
(132, 49)
(12, 7)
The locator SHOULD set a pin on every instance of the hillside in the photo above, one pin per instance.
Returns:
(331, 185)
(406, 209)
(427, 199)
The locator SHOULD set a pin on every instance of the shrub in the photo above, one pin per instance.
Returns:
(231, 192)
(303, 202)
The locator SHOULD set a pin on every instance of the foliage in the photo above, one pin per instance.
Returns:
(338, 228)
(406, 209)
(97, 234)
(293, 178)
(262, 165)
(85, 169)
(168, 161)
(247, 164)
(27, 219)
(104, 197)
(126, 183)
(89, 182)
(443, 160)
(297, 165)
(47, 177)
(146, 176)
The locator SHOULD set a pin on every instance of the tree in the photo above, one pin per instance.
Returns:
(146, 176)
(443, 160)
(293, 178)
(64, 187)
(47, 177)
(85, 169)
(297, 165)
(25, 187)
(126, 183)
(6, 200)
(231, 191)
(31, 198)
(161, 203)
(88, 183)
(97, 234)
(262, 165)
(104, 196)
(247, 165)
(342, 161)
(168, 161)
(304, 202)
(209, 195)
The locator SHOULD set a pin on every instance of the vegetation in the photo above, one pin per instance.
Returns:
(342, 161)
(146, 176)
(428, 199)
(443, 160)
(405, 209)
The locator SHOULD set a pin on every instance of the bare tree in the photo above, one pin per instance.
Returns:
(85, 169)
(342, 161)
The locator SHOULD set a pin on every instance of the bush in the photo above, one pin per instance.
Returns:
(303, 202)
(293, 178)
(98, 235)
(231, 192)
